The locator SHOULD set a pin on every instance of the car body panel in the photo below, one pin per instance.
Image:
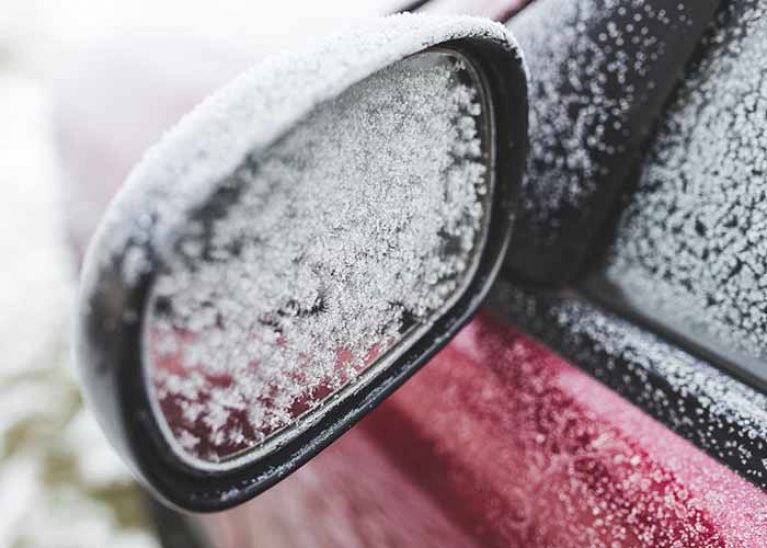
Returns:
(719, 414)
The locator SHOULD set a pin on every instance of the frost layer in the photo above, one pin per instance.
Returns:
(319, 255)
(692, 244)
(583, 92)
(600, 74)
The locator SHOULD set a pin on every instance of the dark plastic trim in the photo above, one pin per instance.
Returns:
(690, 395)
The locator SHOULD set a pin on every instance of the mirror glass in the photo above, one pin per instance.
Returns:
(319, 260)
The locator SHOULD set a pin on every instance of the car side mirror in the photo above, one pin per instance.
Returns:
(297, 247)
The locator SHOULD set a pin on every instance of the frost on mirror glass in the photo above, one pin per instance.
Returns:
(320, 258)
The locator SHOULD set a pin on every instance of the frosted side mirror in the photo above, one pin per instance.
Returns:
(296, 247)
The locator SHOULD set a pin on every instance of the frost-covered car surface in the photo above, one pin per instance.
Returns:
(618, 427)
(499, 442)
(690, 245)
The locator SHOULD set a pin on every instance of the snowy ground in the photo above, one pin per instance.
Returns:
(60, 483)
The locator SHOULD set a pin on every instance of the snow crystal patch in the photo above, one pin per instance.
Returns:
(319, 255)
(220, 146)
(251, 112)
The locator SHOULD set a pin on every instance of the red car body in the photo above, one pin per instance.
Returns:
(500, 442)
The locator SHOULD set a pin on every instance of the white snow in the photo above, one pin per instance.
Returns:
(255, 109)
(586, 85)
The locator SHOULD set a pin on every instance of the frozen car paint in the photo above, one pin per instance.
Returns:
(498, 442)
(721, 415)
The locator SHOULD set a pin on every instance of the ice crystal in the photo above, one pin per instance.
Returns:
(318, 255)
(201, 169)
(600, 73)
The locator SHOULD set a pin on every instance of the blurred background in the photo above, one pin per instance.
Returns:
(85, 87)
